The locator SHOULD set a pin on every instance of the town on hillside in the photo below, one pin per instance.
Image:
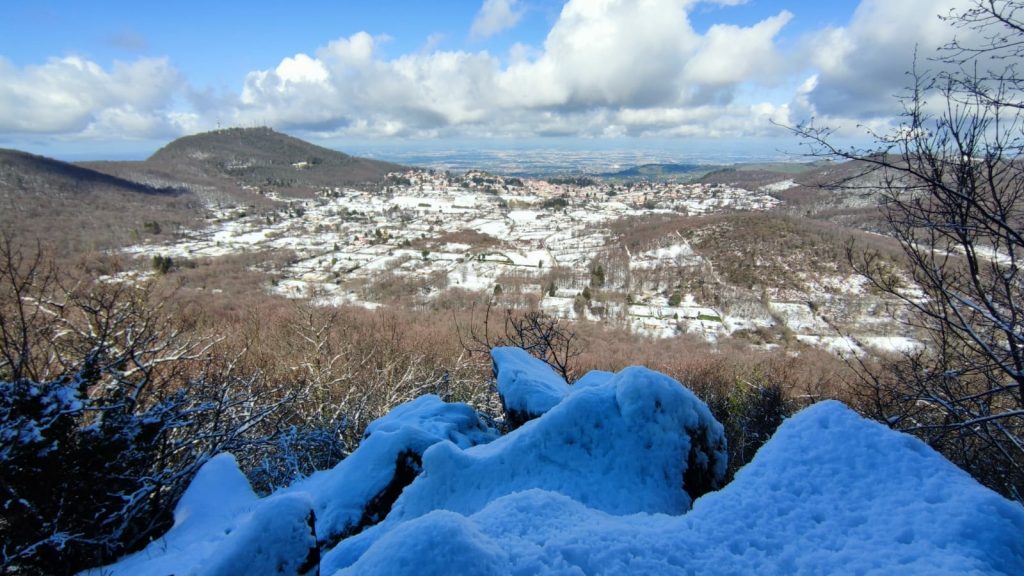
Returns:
(555, 243)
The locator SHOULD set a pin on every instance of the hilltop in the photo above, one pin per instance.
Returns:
(245, 165)
(261, 156)
(89, 206)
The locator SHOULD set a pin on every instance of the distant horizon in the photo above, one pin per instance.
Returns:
(552, 154)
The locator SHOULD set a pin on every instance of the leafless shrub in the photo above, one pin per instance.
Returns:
(110, 399)
(543, 336)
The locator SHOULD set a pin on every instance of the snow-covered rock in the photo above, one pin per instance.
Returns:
(636, 441)
(356, 493)
(222, 528)
(623, 447)
(359, 491)
(830, 493)
(278, 538)
(528, 387)
(442, 543)
(217, 493)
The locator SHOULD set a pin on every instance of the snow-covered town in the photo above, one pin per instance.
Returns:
(476, 231)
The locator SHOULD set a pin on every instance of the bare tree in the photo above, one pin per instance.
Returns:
(951, 181)
(24, 277)
(109, 405)
(543, 336)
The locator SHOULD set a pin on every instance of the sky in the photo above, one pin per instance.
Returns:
(108, 79)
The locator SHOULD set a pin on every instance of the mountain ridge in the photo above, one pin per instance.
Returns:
(77, 207)
(17, 168)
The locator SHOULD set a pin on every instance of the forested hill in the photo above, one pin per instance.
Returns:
(77, 208)
(260, 156)
(22, 171)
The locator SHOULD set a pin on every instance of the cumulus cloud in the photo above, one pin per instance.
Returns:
(347, 88)
(495, 16)
(730, 54)
(600, 59)
(605, 68)
(862, 66)
(607, 52)
(75, 95)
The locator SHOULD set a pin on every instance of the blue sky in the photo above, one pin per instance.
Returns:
(117, 78)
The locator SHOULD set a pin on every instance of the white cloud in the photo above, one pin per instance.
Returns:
(862, 66)
(730, 54)
(600, 59)
(731, 120)
(607, 52)
(606, 67)
(74, 95)
(495, 16)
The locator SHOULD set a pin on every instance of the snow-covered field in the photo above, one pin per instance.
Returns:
(592, 485)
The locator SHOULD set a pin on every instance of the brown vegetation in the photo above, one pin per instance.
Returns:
(263, 157)
(78, 210)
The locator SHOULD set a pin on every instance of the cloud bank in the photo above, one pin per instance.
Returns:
(606, 68)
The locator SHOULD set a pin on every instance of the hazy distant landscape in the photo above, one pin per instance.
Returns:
(517, 287)
(584, 158)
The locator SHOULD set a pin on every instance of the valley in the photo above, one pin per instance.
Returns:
(659, 258)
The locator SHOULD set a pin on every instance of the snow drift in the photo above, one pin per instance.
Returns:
(597, 484)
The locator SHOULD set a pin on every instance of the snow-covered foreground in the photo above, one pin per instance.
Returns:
(600, 482)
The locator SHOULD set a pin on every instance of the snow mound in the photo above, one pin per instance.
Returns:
(440, 543)
(277, 539)
(359, 491)
(832, 489)
(218, 489)
(457, 423)
(528, 387)
(622, 447)
(636, 441)
(592, 378)
(222, 528)
(831, 493)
